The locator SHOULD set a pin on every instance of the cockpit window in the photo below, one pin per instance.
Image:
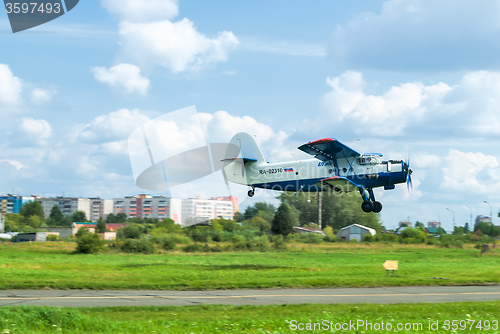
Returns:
(369, 159)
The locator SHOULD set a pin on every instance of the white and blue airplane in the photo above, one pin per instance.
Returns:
(334, 167)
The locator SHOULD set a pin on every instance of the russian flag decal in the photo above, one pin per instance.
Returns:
(288, 169)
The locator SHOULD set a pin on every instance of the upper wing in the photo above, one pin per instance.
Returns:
(338, 183)
(327, 148)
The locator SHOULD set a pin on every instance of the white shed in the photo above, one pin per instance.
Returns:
(354, 231)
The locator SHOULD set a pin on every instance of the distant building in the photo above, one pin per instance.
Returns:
(405, 223)
(100, 208)
(354, 232)
(13, 203)
(435, 230)
(300, 230)
(232, 199)
(433, 224)
(93, 226)
(483, 219)
(67, 205)
(147, 206)
(196, 210)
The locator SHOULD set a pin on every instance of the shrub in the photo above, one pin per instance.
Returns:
(89, 243)
(164, 242)
(278, 242)
(368, 238)
(262, 243)
(311, 238)
(193, 248)
(53, 237)
(239, 242)
(142, 245)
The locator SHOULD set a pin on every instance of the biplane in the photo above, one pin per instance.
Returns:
(335, 167)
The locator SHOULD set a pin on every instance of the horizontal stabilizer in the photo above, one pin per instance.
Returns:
(245, 160)
(337, 183)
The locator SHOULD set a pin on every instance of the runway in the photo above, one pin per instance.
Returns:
(385, 295)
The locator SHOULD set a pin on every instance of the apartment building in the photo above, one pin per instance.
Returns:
(196, 210)
(67, 205)
(13, 203)
(147, 206)
(100, 208)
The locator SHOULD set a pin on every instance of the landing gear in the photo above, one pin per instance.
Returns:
(377, 207)
(251, 192)
(369, 204)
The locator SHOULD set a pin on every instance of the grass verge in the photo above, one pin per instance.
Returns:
(51, 265)
(476, 316)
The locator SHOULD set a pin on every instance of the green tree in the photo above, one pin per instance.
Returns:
(89, 243)
(34, 221)
(329, 232)
(13, 222)
(78, 217)
(419, 225)
(111, 219)
(133, 231)
(466, 228)
(56, 215)
(338, 210)
(32, 208)
(238, 217)
(258, 223)
(170, 225)
(101, 225)
(121, 218)
(284, 220)
(484, 227)
(267, 211)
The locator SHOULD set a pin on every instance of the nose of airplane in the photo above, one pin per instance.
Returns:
(408, 173)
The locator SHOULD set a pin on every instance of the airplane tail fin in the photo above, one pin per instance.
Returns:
(248, 147)
(242, 150)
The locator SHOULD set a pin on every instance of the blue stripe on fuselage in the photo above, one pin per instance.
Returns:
(308, 185)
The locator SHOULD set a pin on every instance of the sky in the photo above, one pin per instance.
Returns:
(415, 78)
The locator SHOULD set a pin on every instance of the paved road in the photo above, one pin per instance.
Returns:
(387, 295)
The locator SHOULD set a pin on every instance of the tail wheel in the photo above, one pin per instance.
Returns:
(367, 206)
(377, 207)
(251, 192)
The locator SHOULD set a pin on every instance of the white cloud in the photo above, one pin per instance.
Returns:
(421, 34)
(40, 96)
(474, 173)
(149, 37)
(125, 77)
(16, 164)
(177, 46)
(36, 131)
(10, 86)
(115, 126)
(142, 10)
(289, 48)
(469, 108)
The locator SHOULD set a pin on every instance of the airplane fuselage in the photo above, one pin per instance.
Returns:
(303, 175)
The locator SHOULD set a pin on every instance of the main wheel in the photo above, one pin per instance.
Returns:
(251, 192)
(367, 206)
(377, 207)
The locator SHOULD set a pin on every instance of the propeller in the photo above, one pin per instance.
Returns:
(408, 172)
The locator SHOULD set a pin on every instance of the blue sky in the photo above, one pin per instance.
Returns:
(415, 76)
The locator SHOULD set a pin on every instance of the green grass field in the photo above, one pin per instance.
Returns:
(253, 319)
(51, 265)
